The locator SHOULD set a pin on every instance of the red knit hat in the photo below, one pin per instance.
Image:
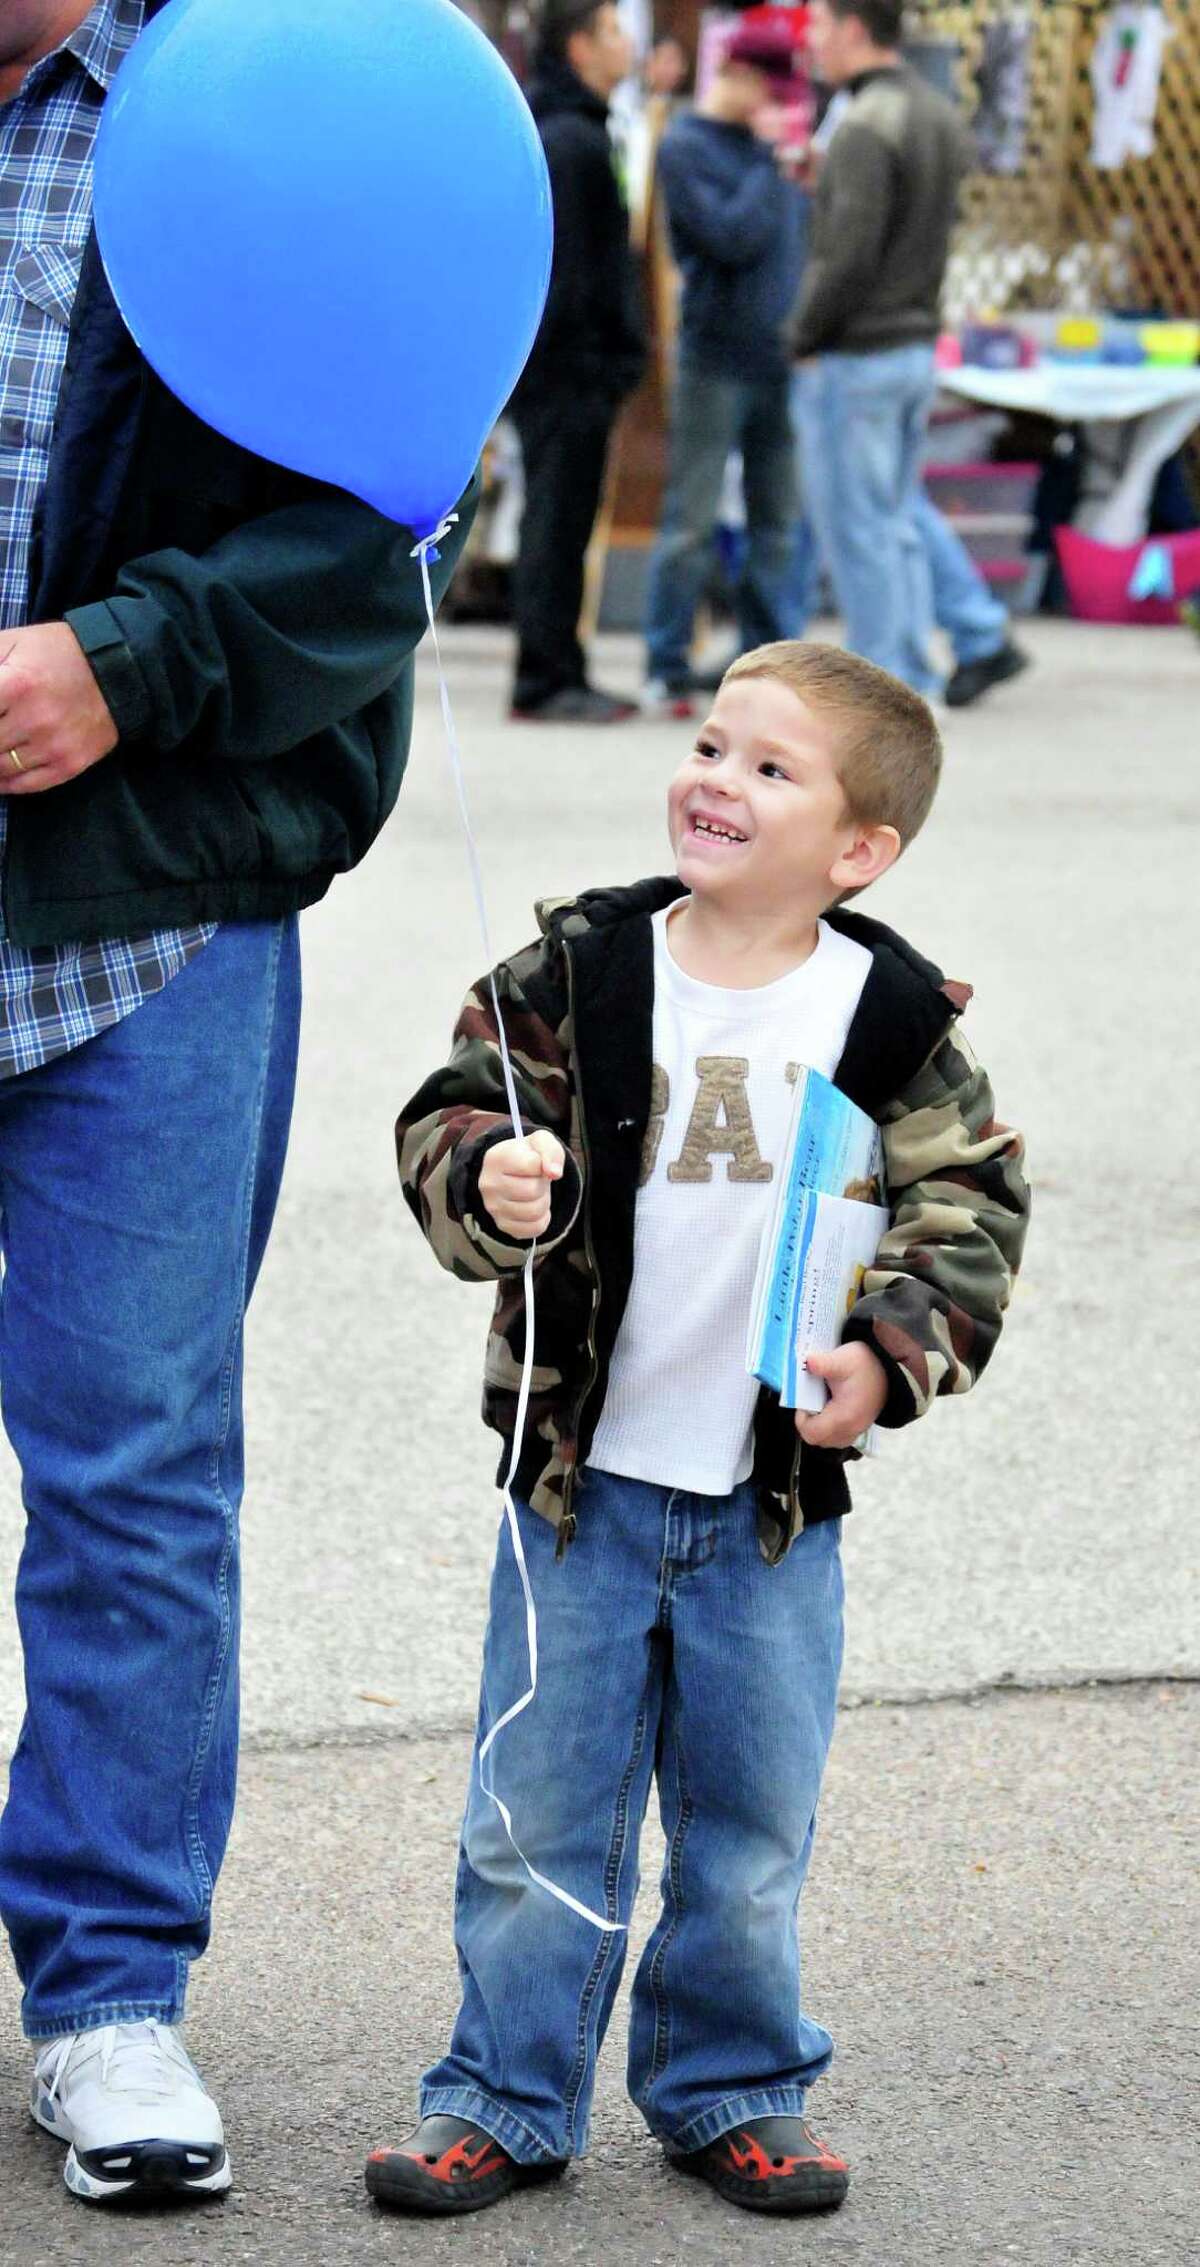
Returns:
(769, 38)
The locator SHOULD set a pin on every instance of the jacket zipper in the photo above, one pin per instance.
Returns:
(795, 1508)
(570, 1518)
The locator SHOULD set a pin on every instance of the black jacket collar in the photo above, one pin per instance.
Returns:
(555, 90)
(875, 71)
(905, 1007)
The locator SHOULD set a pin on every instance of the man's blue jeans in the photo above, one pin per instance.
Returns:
(806, 551)
(668, 1648)
(894, 564)
(963, 606)
(138, 1178)
(710, 418)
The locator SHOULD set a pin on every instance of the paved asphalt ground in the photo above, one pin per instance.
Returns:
(1003, 1926)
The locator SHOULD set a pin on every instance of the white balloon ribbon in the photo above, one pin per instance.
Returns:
(425, 552)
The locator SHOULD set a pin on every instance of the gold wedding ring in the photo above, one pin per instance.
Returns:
(15, 760)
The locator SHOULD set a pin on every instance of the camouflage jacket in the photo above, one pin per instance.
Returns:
(578, 1016)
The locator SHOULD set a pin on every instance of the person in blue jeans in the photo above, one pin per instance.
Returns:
(737, 228)
(205, 697)
(864, 332)
(679, 1529)
(897, 566)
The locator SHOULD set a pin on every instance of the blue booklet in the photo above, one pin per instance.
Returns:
(823, 1233)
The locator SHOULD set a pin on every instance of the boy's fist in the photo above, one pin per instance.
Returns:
(514, 1182)
(858, 1388)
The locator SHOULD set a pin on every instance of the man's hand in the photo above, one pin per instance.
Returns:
(514, 1184)
(52, 711)
(858, 1388)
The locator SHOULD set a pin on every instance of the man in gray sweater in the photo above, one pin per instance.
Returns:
(864, 331)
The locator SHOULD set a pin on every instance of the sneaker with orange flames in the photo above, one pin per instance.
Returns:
(771, 2164)
(448, 2164)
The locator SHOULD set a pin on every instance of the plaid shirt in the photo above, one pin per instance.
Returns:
(53, 998)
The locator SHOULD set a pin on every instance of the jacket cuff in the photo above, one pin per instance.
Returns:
(566, 1196)
(114, 666)
(900, 1408)
(806, 340)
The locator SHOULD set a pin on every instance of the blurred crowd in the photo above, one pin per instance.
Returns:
(811, 266)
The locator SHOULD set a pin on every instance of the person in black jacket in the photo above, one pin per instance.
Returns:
(589, 353)
(205, 701)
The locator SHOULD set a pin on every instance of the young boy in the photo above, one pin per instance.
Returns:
(681, 1528)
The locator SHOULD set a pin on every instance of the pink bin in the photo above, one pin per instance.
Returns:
(1098, 575)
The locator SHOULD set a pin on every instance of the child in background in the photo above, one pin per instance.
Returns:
(682, 1529)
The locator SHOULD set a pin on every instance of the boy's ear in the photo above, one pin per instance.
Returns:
(870, 854)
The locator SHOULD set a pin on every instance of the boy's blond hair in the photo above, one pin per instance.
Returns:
(887, 752)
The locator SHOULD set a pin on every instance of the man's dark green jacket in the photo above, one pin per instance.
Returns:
(252, 632)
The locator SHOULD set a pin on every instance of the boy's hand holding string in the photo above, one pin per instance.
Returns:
(514, 1182)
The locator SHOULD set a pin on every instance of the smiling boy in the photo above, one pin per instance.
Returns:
(681, 1529)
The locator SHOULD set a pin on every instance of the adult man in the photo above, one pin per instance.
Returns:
(205, 696)
(589, 354)
(737, 233)
(865, 327)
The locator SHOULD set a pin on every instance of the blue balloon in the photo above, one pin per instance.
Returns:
(327, 224)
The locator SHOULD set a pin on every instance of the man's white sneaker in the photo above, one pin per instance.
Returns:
(135, 2112)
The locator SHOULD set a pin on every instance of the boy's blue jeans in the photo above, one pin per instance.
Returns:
(668, 1647)
(138, 1177)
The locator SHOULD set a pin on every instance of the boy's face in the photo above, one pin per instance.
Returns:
(757, 814)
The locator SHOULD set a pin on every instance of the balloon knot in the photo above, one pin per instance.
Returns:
(427, 548)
